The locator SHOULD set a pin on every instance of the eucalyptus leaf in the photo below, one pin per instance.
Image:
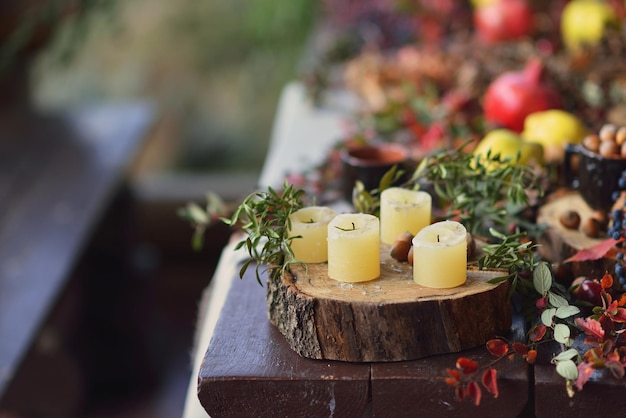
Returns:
(557, 301)
(562, 334)
(565, 355)
(547, 317)
(567, 369)
(542, 278)
(567, 311)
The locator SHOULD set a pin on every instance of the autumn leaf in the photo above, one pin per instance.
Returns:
(474, 391)
(490, 381)
(596, 252)
(519, 348)
(585, 370)
(497, 347)
(531, 357)
(537, 332)
(607, 281)
(592, 328)
(466, 365)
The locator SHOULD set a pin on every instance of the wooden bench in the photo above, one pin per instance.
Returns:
(58, 174)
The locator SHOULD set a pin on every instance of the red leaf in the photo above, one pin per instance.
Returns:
(466, 365)
(474, 391)
(460, 393)
(537, 332)
(521, 349)
(498, 347)
(450, 381)
(585, 370)
(454, 373)
(595, 252)
(490, 381)
(531, 357)
(607, 281)
(616, 368)
(590, 327)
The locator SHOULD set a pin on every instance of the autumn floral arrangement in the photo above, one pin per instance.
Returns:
(501, 86)
(487, 110)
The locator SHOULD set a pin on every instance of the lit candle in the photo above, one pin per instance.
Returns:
(403, 210)
(354, 247)
(311, 224)
(440, 255)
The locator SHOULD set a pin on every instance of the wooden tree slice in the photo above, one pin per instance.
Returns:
(387, 319)
(558, 243)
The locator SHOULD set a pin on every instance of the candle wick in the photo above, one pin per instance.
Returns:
(347, 229)
(437, 237)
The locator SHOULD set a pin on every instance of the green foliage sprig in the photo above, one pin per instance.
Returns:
(263, 217)
(514, 253)
(485, 192)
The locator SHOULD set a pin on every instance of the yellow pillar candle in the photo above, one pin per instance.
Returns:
(440, 255)
(311, 224)
(354, 247)
(403, 210)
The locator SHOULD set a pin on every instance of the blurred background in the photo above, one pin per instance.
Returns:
(212, 72)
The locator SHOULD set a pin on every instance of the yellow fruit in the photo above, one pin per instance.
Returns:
(553, 129)
(480, 3)
(583, 22)
(508, 144)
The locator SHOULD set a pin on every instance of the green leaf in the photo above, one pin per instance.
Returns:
(565, 355)
(567, 311)
(557, 301)
(562, 334)
(542, 279)
(567, 369)
(547, 317)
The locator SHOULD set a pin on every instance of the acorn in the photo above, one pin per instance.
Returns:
(592, 142)
(609, 149)
(570, 219)
(409, 258)
(602, 217)
(401, 246)
(591, 227)
(607, 132)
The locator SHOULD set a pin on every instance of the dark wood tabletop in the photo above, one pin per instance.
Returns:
(57, 174)
(250, 370)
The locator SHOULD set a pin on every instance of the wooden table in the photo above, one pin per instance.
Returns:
(58, 172)
(244, 367)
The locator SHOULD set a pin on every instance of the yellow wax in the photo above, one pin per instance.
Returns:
(311, 223)
(403, 210)
(440, 255)
(354, 247)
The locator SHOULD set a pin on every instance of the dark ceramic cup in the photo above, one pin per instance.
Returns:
(369, 163)
(594, 176)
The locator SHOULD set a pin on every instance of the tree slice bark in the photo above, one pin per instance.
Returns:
(559, 243)
(387, 319)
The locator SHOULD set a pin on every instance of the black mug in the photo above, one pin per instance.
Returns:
(595, 177)
(369, 163)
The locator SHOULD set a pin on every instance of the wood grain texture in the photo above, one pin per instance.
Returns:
(387, 319)
(558, 243)
(417, 388)
(250, 371)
